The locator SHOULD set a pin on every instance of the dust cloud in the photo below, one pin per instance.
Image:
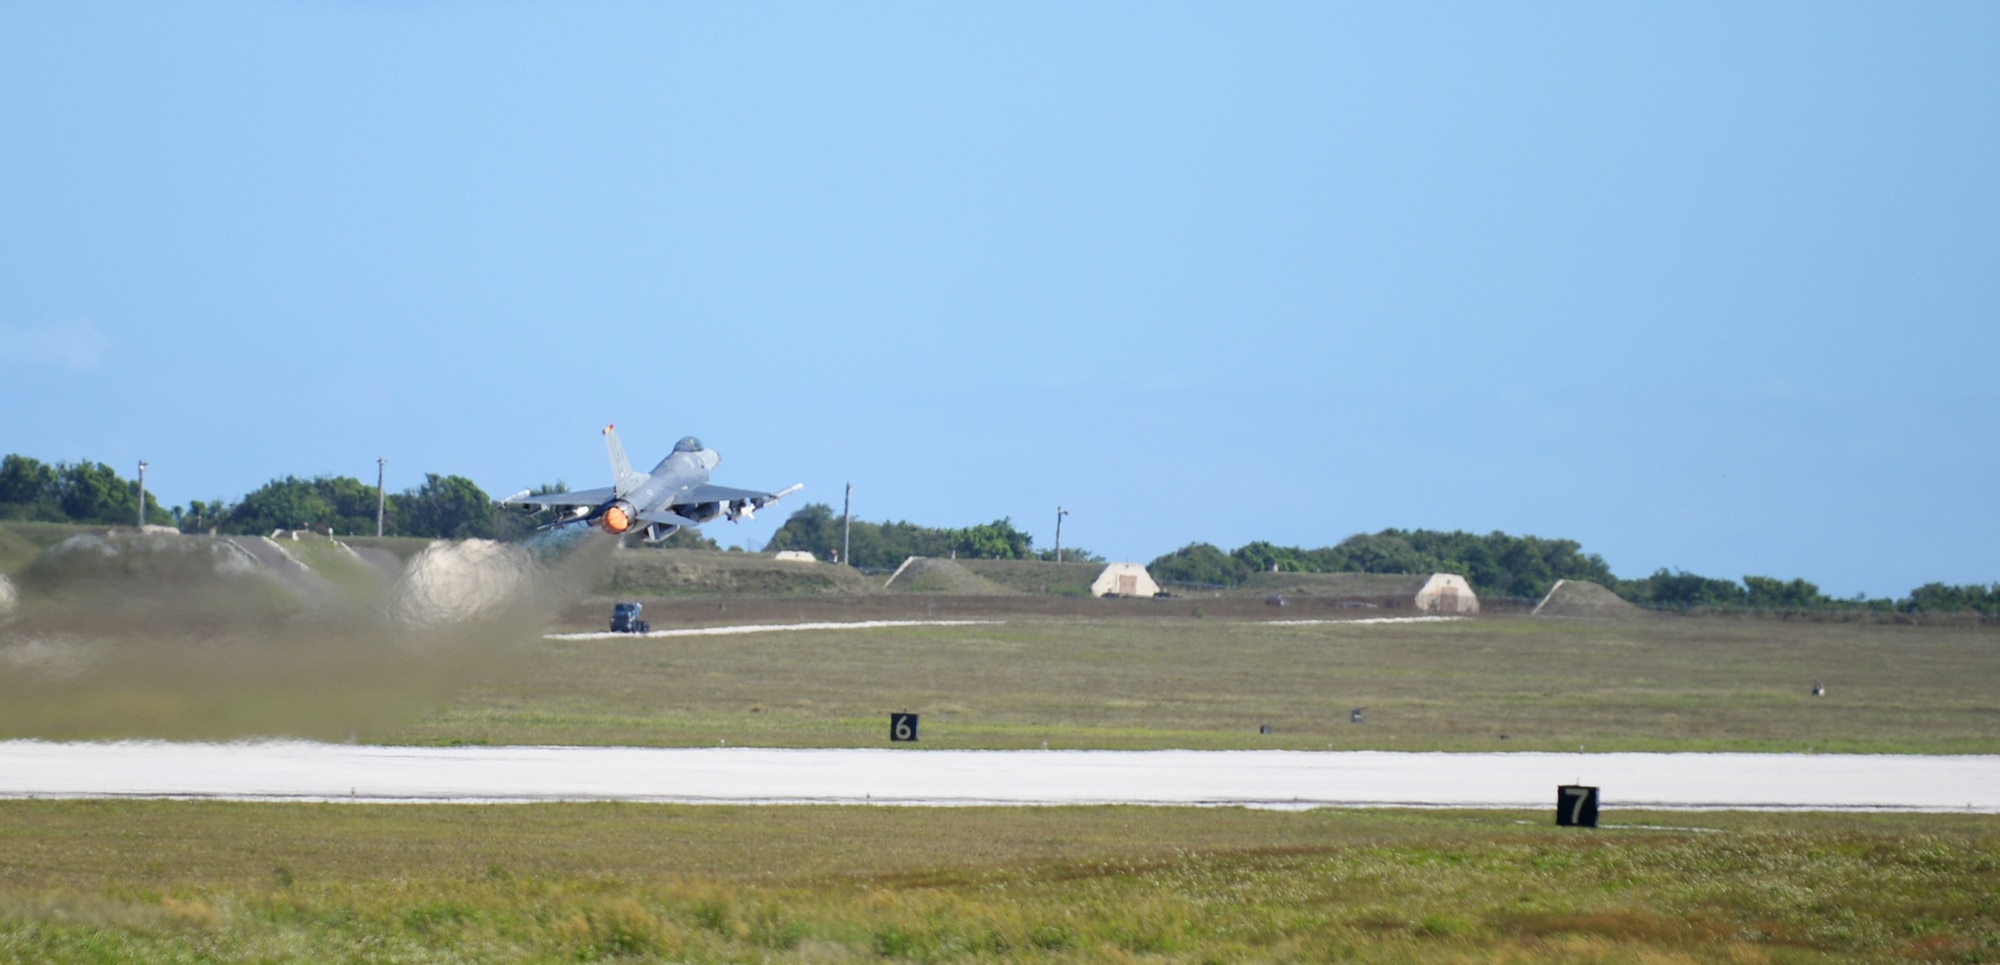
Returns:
(452, 583)
(188, 637)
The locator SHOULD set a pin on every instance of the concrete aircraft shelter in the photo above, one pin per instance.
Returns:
(1124, 579)
(1447, 593)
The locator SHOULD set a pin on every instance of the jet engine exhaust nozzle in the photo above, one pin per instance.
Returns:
(617, 518)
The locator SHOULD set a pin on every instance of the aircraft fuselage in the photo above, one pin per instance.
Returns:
(665, 490)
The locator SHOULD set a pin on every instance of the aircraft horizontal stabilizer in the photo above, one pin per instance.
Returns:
(663, 516)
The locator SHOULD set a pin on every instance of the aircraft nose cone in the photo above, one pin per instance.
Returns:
(710, 458)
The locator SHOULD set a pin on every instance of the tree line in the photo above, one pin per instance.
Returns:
(816, 529)
(83, 492)
(1526, 567)
(1495, 564)
(1675, 590)
(442, 507)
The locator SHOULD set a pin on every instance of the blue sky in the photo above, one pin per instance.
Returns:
(1702, 286)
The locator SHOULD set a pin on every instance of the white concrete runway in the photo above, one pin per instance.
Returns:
(345, 772)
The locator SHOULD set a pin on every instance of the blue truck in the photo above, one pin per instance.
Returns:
(625, 619)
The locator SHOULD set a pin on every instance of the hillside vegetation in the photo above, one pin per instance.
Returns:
(1582, 598)
(672, 573)
(1497, 565)
(21, 543)
(944, 578)
(1527, 567)
(1037, 577)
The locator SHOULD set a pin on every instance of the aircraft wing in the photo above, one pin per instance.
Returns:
(584, 497)
(706, 493)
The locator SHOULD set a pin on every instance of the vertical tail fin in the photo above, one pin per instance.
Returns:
(623, 479)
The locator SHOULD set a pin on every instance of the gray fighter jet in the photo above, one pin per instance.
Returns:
(675, 494)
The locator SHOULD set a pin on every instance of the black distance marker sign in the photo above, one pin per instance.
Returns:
(1576, 806)
(903, 727)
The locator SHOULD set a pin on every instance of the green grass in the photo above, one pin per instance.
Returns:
(1037, 577)
(124, 881)
(334, 564)
(1659, 685)
(21, 543)
(114, 881)
(16, 551)
(651, 573)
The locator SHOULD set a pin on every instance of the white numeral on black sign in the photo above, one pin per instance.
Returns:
(902, 727)
(1576, 806)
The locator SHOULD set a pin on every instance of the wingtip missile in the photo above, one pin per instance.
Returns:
(750, 506)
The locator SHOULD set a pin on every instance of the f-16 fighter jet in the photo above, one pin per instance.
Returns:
(675, 494)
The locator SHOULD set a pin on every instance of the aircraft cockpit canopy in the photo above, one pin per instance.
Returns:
(689, 444)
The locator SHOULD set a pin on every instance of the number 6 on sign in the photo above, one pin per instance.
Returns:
(1576, 806)
(902, 727)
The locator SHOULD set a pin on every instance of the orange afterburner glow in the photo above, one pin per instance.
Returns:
(615, 520)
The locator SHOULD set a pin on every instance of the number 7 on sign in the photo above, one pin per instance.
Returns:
(1576, 806)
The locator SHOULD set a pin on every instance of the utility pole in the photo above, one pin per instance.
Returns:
(1060, 513)
(142, 494)
(846, 522)
(381, 473)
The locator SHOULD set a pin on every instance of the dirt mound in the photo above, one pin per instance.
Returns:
(666, 573)
(925, 575)
(1037, 577)
(286, 566)
(171, 578)
(151, 555)
(1582, 598)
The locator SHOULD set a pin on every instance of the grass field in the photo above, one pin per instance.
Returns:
(183, 881)
(113, 881)
(1660, 684)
